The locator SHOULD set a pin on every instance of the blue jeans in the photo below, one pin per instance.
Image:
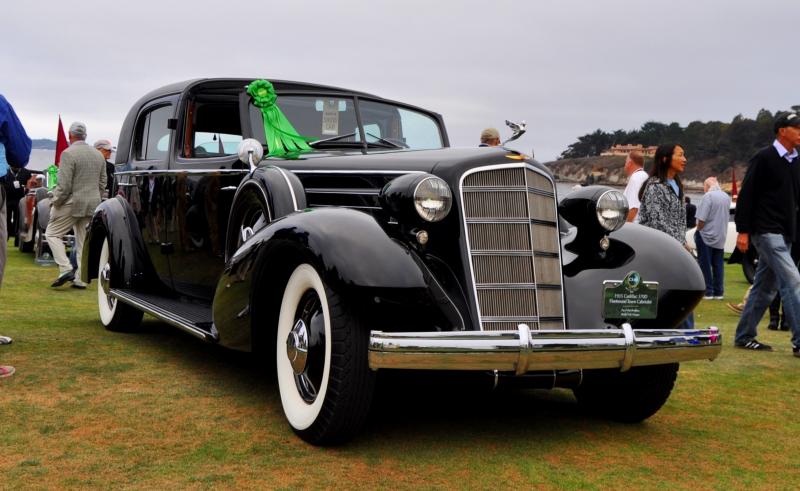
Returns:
(712, 265)
(776, 271)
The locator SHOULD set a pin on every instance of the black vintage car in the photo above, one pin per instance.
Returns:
(383, 249)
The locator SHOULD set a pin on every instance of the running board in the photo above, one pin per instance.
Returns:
(152, 308)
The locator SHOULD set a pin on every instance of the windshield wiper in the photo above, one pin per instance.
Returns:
(335, 138)
(381, 143)
(390, 143)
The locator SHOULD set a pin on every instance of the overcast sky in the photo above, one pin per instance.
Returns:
(566, 67)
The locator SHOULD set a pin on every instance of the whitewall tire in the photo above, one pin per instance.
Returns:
(114, 315)
(321, 359)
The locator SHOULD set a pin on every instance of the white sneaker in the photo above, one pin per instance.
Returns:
(719, 298)
(708, 297)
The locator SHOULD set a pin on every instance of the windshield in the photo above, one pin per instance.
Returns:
(331, 122)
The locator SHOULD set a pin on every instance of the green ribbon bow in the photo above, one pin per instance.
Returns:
(282, 139)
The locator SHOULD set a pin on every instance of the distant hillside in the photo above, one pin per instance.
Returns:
(609, 170)
(711, 147)
(44, 144)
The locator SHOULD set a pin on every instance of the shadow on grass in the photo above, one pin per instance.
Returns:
(407, 405)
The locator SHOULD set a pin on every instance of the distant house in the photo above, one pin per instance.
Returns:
(626, 149)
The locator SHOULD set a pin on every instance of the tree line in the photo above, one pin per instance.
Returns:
(736, 141)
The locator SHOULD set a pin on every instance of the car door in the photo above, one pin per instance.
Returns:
(202, 181)
(145, 176)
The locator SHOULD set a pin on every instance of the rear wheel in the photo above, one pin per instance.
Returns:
(115, 315)
(323, 373)
(628, 397)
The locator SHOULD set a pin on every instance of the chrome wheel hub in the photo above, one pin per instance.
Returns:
(105, 278)
(297, 347)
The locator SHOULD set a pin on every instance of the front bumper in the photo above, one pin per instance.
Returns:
(526, 350)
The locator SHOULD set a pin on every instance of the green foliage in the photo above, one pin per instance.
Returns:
(736, 141)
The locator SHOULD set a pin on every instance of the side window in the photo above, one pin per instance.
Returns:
(212, 128)
(152, 134)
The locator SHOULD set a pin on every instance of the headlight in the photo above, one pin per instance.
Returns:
(612, 210)
(432, 199)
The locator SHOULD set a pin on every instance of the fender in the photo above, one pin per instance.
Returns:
(278, 191)
(356, 258)
(115, 220)
(655, 255)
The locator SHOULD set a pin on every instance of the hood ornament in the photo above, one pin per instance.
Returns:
(517, 129)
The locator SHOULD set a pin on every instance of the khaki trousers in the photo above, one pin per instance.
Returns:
(60, 224)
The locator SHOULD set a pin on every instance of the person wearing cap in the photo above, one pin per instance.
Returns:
(766, 216)
(81, 183)
(490, 137)
(105, 148)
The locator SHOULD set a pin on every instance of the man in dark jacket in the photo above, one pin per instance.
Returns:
(766, 215)
(691, 212)
(16, 179)
(17, 149)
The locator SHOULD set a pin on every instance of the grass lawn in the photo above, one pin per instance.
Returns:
(159, 409)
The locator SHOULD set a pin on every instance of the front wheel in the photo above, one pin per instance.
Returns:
(628, 397)
(115, 315)
(323, 372)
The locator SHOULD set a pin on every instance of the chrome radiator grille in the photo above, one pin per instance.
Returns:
(512, 239)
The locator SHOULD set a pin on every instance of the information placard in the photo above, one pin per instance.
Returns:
(630, 298)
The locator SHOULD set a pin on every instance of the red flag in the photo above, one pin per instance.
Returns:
(734, 190)
(61, 142)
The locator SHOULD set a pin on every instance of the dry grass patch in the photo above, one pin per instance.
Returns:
(159, 409)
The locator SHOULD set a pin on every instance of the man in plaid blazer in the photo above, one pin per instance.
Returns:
(81, 182)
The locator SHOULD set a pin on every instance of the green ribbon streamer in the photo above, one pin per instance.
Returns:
(282, 139)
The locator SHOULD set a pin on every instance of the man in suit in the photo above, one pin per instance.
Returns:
(81, 183)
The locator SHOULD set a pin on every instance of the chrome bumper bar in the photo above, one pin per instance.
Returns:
(526, 350)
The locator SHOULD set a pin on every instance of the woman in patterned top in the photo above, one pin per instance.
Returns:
(662, 200)
(662, 194)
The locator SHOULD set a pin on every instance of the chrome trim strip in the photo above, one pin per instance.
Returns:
(346, 191)
(525, 350)
(365, 171)
(291, 189)
(164, 315)
(170, 172)
(355, 207)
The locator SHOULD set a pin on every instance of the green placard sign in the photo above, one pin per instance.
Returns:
(630, 298)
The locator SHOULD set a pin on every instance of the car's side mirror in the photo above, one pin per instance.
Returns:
(250, 152)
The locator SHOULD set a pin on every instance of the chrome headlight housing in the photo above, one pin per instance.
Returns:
(612, 210)
(432, 199)
(415, 199)
(596, 211)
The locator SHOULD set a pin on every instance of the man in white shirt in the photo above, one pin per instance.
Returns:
(636, 177)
